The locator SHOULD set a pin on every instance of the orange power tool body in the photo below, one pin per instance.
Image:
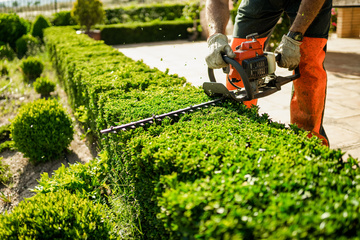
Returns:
(250, 75)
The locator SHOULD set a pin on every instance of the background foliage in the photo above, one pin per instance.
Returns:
(87, 13)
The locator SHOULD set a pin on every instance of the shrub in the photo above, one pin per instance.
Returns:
(334, 15)
(7, 145)
(59, 215)
(85, 180)
(31, 68)
(4, 70)
(5, 132)
(12, 27)
(63, 18)
(88, 13)
(192, 10)
(6, 52)
(42, 130)
(27, 45)
(39, 25)
(281, 28)
(139, 13)
(5, 141)
(144, 13)
(44, 86)
(145, 32)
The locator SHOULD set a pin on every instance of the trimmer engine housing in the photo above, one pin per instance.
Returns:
(250, 75)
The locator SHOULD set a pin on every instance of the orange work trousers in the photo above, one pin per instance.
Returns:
(309, 91)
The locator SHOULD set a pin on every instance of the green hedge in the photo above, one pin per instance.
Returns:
(89, 68)
(220, 173)
(145, 32)
(142, 13)
(145, 13)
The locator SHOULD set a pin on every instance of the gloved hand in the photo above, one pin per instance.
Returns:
(290, 52)
(218, 45)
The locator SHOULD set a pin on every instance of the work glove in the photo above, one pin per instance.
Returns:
(290, 53)
(218, 45)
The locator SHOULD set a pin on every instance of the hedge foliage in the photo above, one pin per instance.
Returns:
(134, 24)
(6, 52)
(44, 86)
(145, 32)
(12, 27)
(142, 13)
(220, 173)
(59, 215)
(84, 180)
(87, 13)
(40, 23)
(42, 130)
(145, 13)
(6, 143)
(27, 45)
(31, 68)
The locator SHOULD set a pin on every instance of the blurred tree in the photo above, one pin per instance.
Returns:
(88, 13)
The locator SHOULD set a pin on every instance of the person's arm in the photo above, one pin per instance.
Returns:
(289, 47)
(217, 15)
(307, 12)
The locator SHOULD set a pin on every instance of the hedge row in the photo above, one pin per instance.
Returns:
(220, 173)
(145, 32)
(145, 13)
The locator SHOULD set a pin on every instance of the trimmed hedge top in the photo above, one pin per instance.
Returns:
(220, 173)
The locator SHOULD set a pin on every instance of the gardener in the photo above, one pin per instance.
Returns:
(303, 46)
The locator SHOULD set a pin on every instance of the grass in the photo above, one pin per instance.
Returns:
(14, 92)
(5, 174)
(6, 198)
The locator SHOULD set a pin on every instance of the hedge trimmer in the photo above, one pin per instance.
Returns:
(250, 75)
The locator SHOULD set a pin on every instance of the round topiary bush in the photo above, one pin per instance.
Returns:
(38, 27)
(27, 45)
(58, 215)
(42, 130)
(44, 86)
(31, 68)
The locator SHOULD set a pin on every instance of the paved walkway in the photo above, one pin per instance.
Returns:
(342, 113)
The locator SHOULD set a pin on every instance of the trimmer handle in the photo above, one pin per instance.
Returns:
(213, 88)
(241, 71)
